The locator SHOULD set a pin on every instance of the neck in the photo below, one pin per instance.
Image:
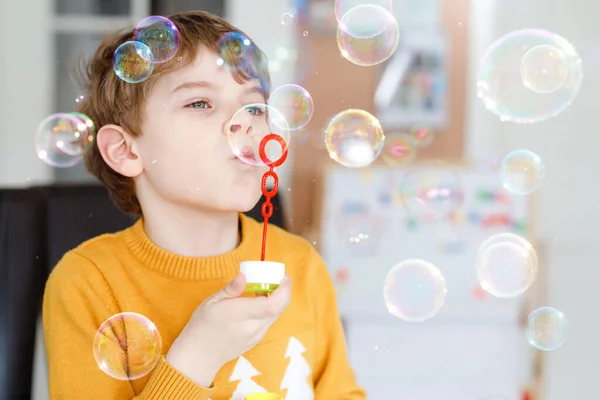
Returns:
(193, 233)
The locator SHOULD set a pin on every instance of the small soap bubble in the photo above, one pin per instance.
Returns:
(414, 290)
(367, 35)
(127, 346)
(529, 76)
(305, 33)
(399, 149)
(522, 172)
(547, 328)
(79, 98)
(132, 62)
(287, 19)
(354, 138)
(507, 265)
(431, 192)
(238, 53)
(247, 128)
(361, 236)
(160, 35)
(61, 139)
(544, 69)
(234, 47)
(343, 6)
(422, 136)
(295, 103)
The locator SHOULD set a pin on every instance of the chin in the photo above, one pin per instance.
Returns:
(243, 202)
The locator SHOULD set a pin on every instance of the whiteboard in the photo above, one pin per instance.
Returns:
(451, 245)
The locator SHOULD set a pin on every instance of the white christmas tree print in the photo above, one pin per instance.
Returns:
(295, 379)
(243, 372)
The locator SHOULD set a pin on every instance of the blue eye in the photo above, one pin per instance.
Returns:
(255, 110)
(199, 104)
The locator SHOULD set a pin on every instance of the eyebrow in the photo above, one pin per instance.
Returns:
(208, 85)
(192, 85)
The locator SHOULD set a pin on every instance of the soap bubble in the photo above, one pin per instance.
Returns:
(544, 69)
(547, 328)
(160, 35)
(247, 128)
(127, 346)
(354, 138)
(431, 192)
(522, 172)
(507, 265)
(343, 6)
(61, 139)
(233, 48)
(91, 129)
(414, 290)
(513, 57)
(295, 103)
(132, 62)
(508, 237)
(367, 35)
(399, 149)
(287, 19)
(361, 236)
(422, 136)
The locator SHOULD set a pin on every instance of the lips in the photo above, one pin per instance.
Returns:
(246, 154)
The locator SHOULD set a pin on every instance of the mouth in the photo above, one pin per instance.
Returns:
(245, 156)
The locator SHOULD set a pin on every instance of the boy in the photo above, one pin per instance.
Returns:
(162, 152)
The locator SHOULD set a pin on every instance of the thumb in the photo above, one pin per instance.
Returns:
(233, 289)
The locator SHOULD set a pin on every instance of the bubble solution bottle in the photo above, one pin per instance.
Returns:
(262, 277)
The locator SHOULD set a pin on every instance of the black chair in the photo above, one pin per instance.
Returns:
(37, 226)
(23, 272)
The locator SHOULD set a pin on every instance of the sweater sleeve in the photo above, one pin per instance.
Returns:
(77, 299)
(335, 379)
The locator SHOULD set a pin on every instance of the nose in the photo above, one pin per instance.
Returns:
(239, 124)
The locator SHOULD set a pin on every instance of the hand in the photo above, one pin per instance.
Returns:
(224, 327)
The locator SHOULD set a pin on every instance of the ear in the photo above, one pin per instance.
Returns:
(119, 150)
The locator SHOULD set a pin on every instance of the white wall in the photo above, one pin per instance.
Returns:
(569, 200)
(25, 82)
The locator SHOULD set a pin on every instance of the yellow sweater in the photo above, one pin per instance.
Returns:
(303, 355)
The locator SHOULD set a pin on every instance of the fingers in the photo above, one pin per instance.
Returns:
(233, 289)
(280, 298)
(263, 307)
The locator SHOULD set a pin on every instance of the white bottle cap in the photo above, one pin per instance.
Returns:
(263, 271)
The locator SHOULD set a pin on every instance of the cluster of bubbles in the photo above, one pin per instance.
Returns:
(127, 346)
(156, 40)
(507, 265)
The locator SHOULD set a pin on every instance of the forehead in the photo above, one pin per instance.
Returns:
(204, 66)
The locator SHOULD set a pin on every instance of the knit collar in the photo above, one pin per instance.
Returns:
(223, 266)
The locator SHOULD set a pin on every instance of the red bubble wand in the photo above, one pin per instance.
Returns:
(267, 207)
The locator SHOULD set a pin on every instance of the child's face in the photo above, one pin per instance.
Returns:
(184, 146)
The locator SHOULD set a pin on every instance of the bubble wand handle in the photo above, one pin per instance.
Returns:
(267, 207)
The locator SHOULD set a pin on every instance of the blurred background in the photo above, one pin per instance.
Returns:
(431, 99)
